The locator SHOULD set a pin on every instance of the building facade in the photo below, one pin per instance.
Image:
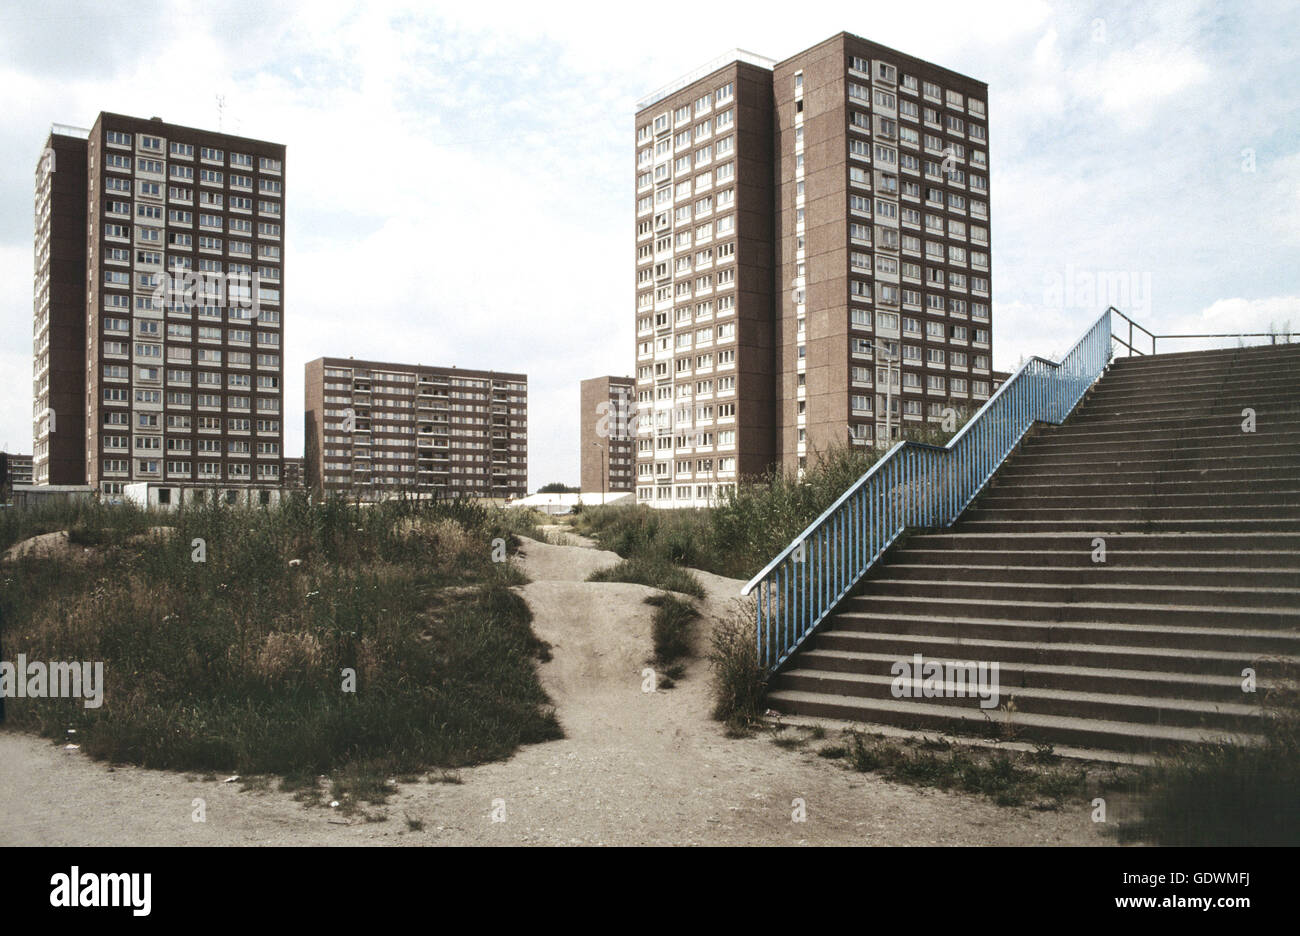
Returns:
(59, 311)
(19, 468)
(883, 226)
(293, 474)
(608, 458)
(182, 302)
(380, 429)
(704, 276)
(861, 175)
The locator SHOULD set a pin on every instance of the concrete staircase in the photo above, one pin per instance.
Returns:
(1142, 652)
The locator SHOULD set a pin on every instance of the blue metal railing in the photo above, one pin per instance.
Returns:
(913, 485)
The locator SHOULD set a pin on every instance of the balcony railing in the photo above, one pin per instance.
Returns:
(914, 485)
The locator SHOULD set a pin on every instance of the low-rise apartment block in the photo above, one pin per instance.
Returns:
(19, 468)
(376, 429)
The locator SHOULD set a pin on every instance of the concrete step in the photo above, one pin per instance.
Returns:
(1088, 732)
(1096, 510)
(1138, 707)
(1207, 378)
(960, 537)
(1202, 407)
(1222, 596)
(1027, 497)
(1246, 563)
(1103, 574)
(1193, 444)
(1251, 356)
(1205, 383)
(1143, 466)
(1226, 655)
(1023, 674)
(1268, 617)
(1173, 490)
(1013, 474)
(1082, 420)
(1255, 525)
(1195, 428)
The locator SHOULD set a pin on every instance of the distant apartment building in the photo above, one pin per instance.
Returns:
(293, 474)
(159, 293)
(608, 460)
(379, 429)
(812, 261)
(19, 468)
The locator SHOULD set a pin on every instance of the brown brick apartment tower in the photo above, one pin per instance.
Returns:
(883, 244)
(812, 261)
(375, 429)
(181, 257)
(608, 450)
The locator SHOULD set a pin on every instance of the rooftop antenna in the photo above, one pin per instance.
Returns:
(221, 113)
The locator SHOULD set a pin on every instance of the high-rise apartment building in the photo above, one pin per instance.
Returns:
(704, 269)
(180, 328)
(608, 460)
(376, 429)
(59, 310)
(864, 177)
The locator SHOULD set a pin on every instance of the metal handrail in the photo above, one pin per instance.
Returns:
(913, 485)
(1154, 337)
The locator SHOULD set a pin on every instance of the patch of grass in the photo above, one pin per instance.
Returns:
(236, 664)
(654, 572)
(834, 751)
(671, 630)
(89, 523)
(1008, 779)
(749, 525)
(738, 680)
(414, 825)
(1226, 794)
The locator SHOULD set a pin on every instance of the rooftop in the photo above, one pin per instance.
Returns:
(735, 55)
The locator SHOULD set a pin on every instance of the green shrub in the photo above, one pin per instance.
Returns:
(738, 680)
(1226, 794)
(655, 572)
(671, 628)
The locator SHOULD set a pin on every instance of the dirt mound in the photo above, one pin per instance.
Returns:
(46, 544)
(543, 562)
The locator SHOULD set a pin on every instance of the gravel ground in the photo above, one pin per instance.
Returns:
(634, 768)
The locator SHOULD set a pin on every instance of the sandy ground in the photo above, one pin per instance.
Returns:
(634, 768)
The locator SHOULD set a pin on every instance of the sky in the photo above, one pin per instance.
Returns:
(460, 177)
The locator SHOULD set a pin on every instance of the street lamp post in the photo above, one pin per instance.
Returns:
(890, 361)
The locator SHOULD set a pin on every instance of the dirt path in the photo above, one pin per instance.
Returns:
(635, 767)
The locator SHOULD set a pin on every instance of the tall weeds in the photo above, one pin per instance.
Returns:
(242, 661)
